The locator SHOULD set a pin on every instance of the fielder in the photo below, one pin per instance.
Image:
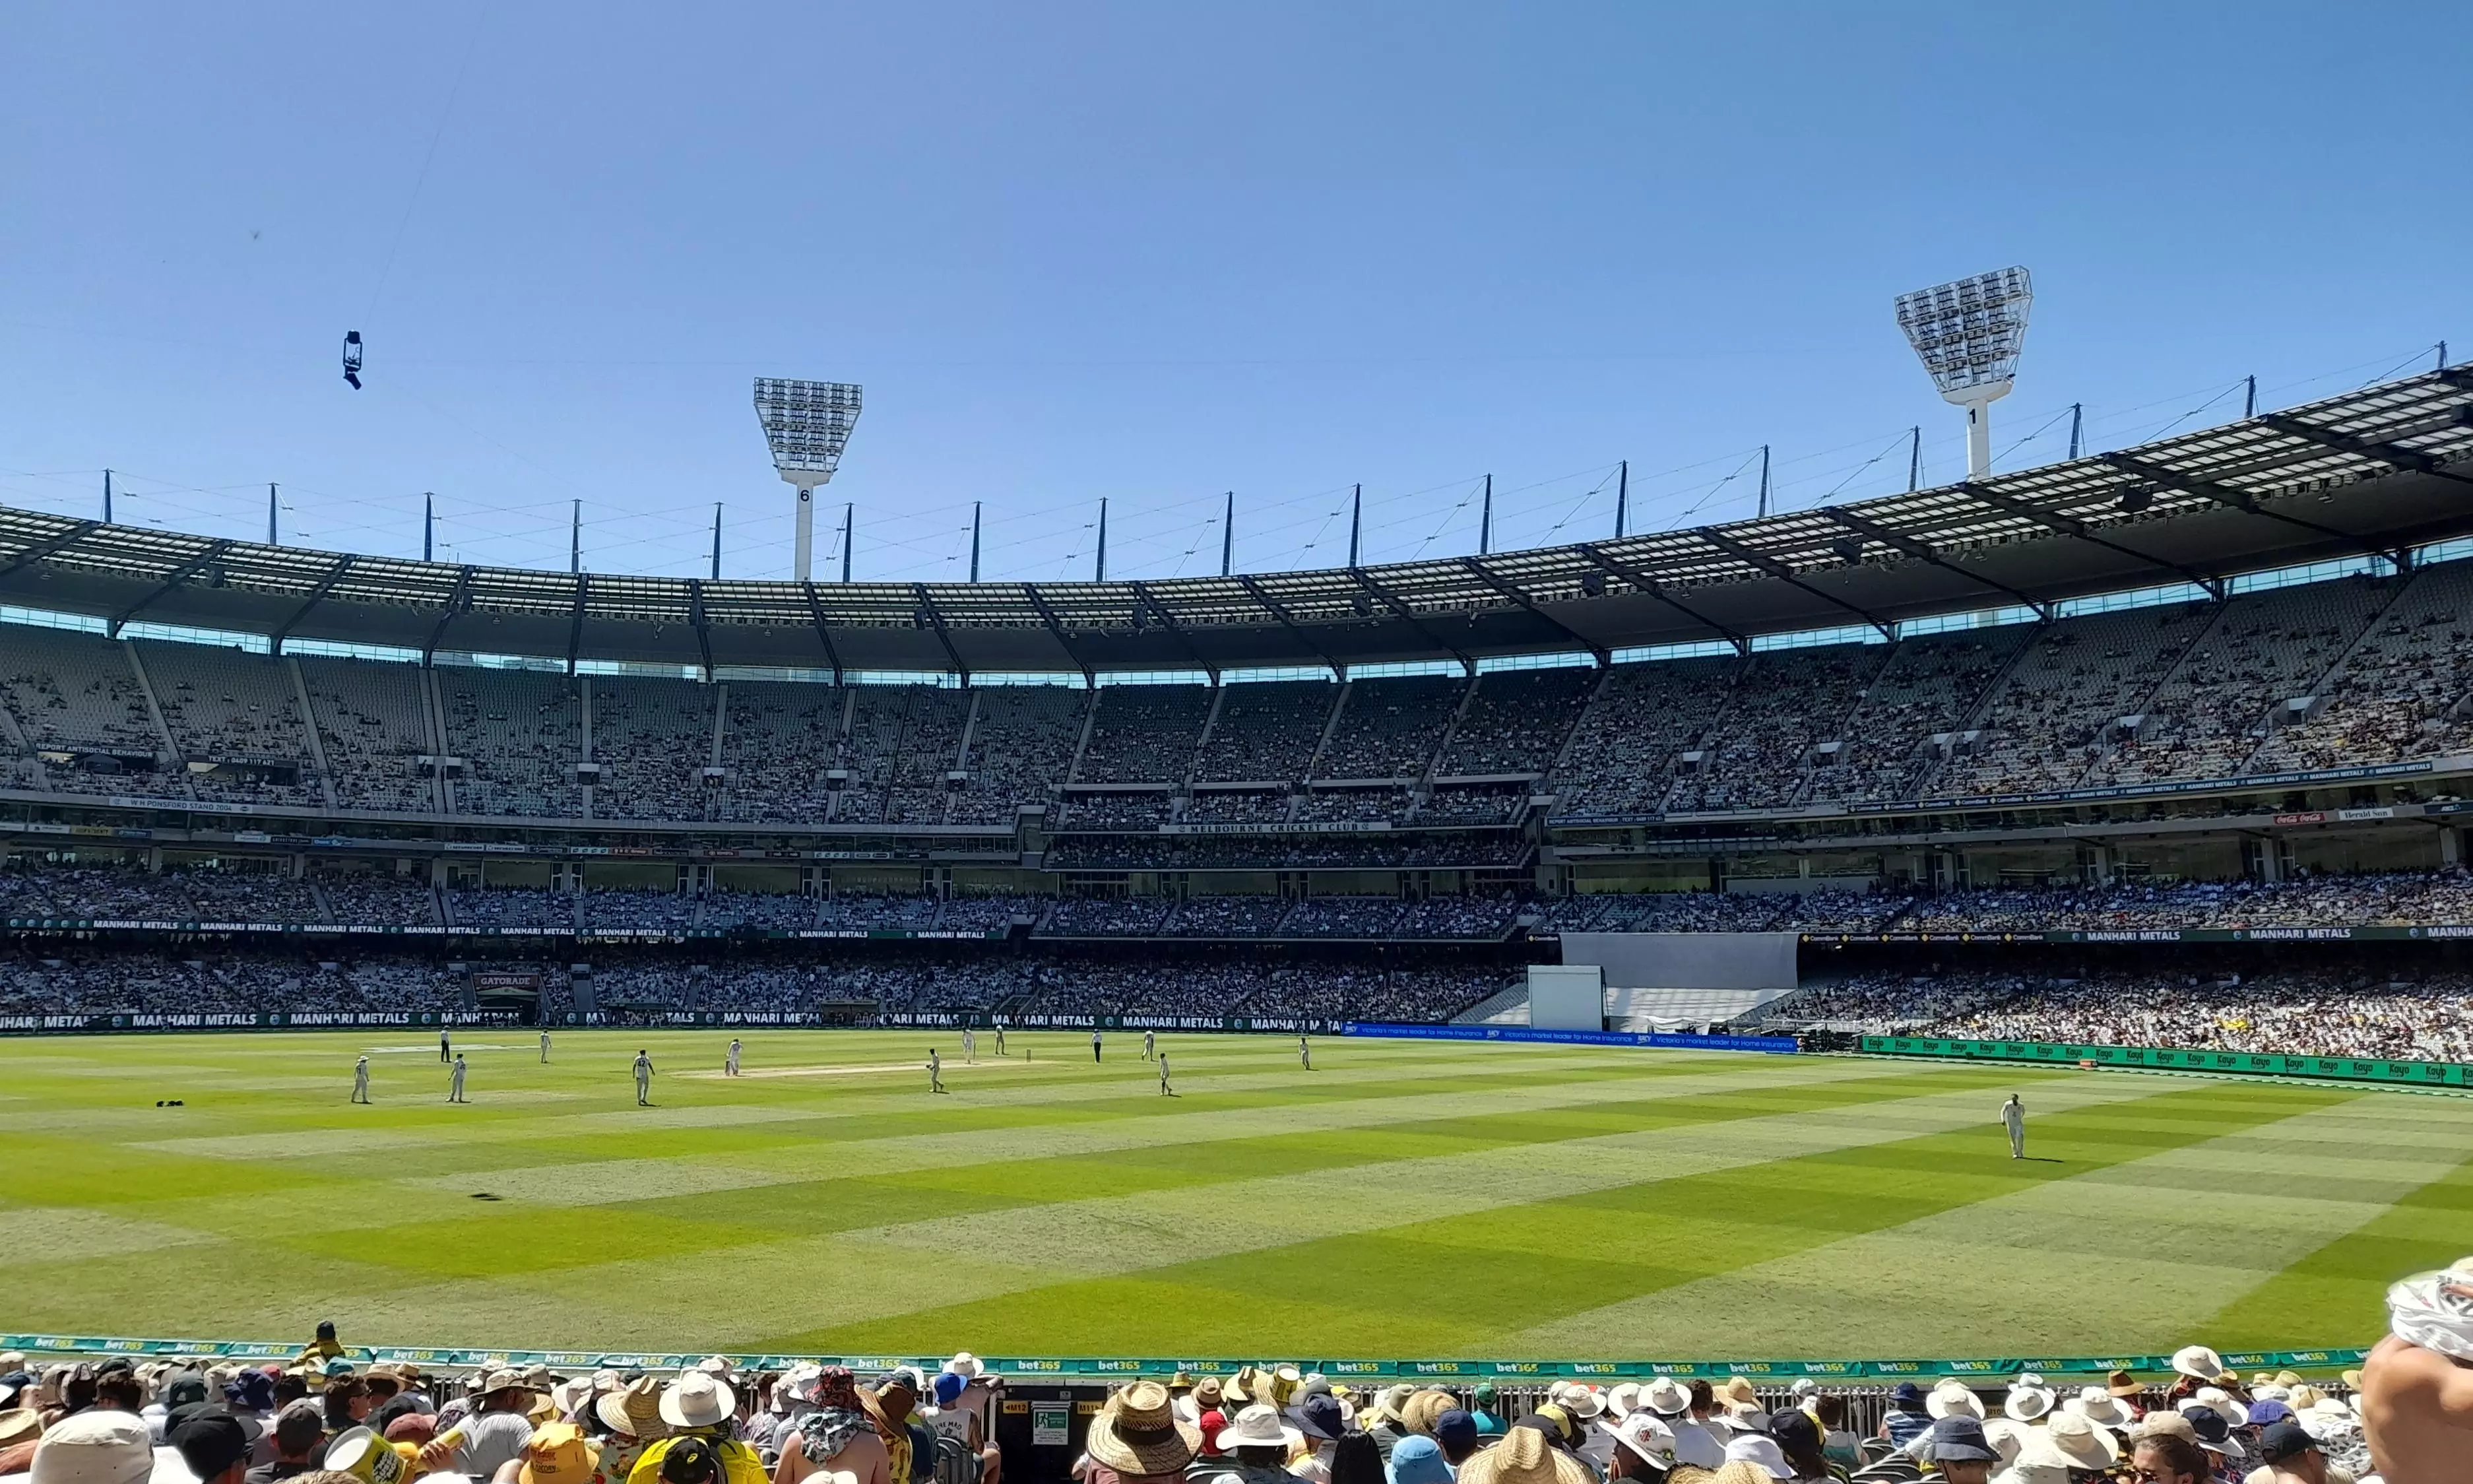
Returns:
(1305, 1052)
(1150, 1044)
(361, 1080)
(2013, 1117)
(643, 1079)
(444, 1055)
(1094, 1045)
(544, 1045)
(1164, 1090)
(455, 1082)
(970, 1044)
(935, 1071)
(1000, 1037)
(730, 1069)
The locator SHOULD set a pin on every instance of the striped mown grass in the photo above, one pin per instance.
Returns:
(1404, 1198)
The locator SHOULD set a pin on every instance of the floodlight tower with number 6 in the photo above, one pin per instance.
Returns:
(807, 423)
(1968, 334)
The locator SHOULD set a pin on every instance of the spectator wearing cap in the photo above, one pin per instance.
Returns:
(213, 1445)
(1798, 1440)
(2290, 1455)
(1455, 1434)
(492, 1434)
(1486, 1407)
(299, 1433)
(699, 1407)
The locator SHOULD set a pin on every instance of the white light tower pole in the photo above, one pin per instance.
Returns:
(807, 423)
(1968, 335)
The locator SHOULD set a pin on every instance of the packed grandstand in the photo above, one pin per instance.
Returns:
(2199, 696)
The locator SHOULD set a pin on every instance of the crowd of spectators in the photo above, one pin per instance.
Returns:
(2351, 1011)
(2314, 674)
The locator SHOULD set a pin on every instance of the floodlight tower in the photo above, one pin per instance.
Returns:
(1968, 335)
(805, 424)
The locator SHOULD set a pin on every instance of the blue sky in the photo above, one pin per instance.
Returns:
(1154, 253)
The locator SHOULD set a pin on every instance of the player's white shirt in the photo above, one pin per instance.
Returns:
(2014, 1115)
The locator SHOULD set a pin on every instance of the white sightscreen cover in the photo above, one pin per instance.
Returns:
(1565, 998)
(1687, 961)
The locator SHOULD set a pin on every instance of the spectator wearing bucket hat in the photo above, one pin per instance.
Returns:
(1959, 1450)
(1644, 1448)
(628, 1420)
(1417, 1460)
(1323, 1420)
(700, 1407)
(1256, 1444)
(1139, 1439)
(1669, 1400)
(94, 1448)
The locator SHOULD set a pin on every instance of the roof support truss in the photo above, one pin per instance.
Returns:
(1872, 531)
(1288, 621)
(1143, 599)
(575, 621)
(1650, 586)
(178, 577)
(45, 550)
(2077, 530)
(317, 595)
(1056, 631)
(459, 598)
(1512, 592)
(1786, 574)
(1375, 591)
(695, 616)
(2234, 499)
(824, 631)
(2402, 458)
(936, 621)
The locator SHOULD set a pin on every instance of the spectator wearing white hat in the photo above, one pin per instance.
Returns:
(95, 1447)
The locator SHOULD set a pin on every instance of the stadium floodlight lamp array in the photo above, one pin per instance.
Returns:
(806, 425)
(1968, 335)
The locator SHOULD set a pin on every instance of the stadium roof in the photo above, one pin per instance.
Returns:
(2378, 470)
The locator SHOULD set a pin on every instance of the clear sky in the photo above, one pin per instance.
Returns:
(1153, 253)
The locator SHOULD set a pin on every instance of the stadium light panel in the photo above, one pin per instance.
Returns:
(806, 425)
(1968, 333)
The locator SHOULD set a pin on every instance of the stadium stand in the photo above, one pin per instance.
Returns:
(372, 725)
(234, 719)
(2397, 694)
(1144, 734)
(1785, 707)
(520, 735)
(652, 741)
(1887, 746)
(1266, 732)
(777, 749)
(1514, 722)
(2046, 724)
(1022, 747)
(1389, 729)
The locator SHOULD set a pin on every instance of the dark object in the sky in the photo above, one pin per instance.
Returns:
(352, 358)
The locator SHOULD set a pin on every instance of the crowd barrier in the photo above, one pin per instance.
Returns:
(1034, 1367)
(2419, 1074)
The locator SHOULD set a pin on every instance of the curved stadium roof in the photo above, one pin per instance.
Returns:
(2379, 470)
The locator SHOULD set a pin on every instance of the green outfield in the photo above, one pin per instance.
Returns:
(1401, 1199)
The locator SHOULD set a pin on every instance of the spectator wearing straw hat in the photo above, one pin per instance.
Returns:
(1138, 1439)
(1526, 1455)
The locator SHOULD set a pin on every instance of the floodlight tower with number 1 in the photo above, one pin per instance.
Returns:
(1968, 334)
(807, 423)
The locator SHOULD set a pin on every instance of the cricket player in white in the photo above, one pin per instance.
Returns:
(643, 1079)
(970, 1044)
(455, 1082)
(731, 1069)
(361, 1080)
(1150, 1044)
(2013, 1116)
(1094, 1045)
(444, 1054)
(544, 1045)
(1000, 1037)
(1305, 1052)
(1164, 1090)
(935, 1071)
